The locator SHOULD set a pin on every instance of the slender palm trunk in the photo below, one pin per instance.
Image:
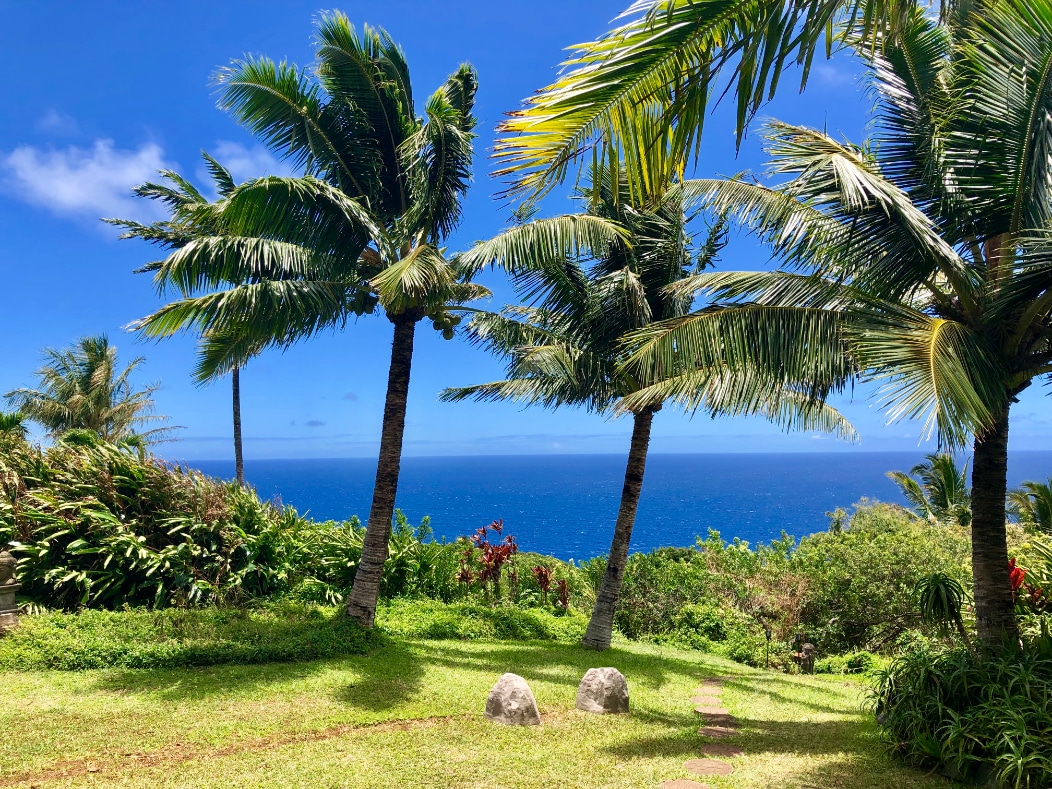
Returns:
(361, 604)
(239, 455)
(601, 625)
(994, 611)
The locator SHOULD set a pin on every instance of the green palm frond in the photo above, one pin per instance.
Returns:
(536, 244)
(651, 78)
(931, 368)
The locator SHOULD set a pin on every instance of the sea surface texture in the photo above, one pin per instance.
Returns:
(565, 505)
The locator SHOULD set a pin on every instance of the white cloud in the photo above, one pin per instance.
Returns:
(58, 123)
(833, 76)
(245, 163)
(85, 183)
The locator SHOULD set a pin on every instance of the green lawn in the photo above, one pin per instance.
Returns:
(410, 714)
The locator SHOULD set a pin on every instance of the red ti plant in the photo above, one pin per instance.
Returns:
(564, 593)
(491, 558)
(1027, 595)
(544, 580)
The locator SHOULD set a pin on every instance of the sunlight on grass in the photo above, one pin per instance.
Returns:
(410, 714)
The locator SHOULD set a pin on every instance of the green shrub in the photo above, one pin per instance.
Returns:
(138, 638)
(411, 618)
(972, 716)
(861, 662)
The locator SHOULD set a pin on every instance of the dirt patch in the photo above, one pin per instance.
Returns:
(177, 752)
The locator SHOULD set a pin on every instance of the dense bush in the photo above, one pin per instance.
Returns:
(846, 590)
(139, 638)
(101, 526)
(972, 716)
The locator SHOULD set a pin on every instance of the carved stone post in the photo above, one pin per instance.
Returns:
(8, 587)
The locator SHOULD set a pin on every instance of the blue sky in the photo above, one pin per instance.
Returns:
(100, 95)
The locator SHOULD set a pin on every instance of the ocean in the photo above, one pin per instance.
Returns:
(565, 505)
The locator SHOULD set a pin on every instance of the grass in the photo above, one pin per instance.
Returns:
(409, 714)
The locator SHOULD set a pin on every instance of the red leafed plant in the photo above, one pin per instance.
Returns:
(487, 564)
(544, 580)
(1027, 595)
(564, 593)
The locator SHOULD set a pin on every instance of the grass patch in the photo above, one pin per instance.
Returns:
(472, 621)
(172, 638)
(409, 713)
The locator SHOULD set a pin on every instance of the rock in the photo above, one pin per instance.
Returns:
(603, 690)
(708, 767)
(511, 702)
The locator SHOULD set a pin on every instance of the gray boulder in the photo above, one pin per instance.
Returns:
(603, 690)
(511, 702)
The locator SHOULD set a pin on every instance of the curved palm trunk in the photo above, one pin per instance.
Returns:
(239, 455)
(361, 604)
(994, 611)
(601, 624)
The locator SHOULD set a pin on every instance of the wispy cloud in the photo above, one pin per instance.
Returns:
(57, 123)
(351, 397)
(83, 183)
(315, 423)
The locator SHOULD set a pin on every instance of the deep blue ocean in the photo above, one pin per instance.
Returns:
(565, 505)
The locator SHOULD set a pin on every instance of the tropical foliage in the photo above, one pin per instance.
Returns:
(651, 80)
(1031, 504)
(930, 243)
(362, 230)
(190, 219)
(937, 489)
(83, 387)
(564, 346)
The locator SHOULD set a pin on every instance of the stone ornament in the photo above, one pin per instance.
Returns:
(511, 702)
(603, 690)
(8, 587)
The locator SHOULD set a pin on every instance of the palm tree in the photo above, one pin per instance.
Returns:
(937, 489)
(190, 218)
(1031, 503)
(563, 349)
(940, 599)
(83, 388)
(13, 425)
(362, 230)
(932, 243)
(651, 79)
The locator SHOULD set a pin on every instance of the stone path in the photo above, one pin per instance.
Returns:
(719, 724)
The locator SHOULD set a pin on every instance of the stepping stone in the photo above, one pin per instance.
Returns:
(706, 709)
(708, 767)
(721, 720)
(683, 783)
(723, 750)
(717, 732)
(712, 701)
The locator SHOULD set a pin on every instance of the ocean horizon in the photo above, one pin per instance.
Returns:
(565, 505)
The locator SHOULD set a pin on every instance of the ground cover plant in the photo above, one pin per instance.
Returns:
(410, 713)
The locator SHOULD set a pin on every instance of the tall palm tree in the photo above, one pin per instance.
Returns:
(652, 79)
(190, 218)
(563, 349)
(84, 388)
(937, 489)
(361, 231)
(1031, 503)
(933, 243)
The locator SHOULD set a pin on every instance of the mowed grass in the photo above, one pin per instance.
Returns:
(410, 714)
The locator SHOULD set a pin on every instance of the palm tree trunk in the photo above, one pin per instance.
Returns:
(361, 604)
(239, 455)
(994, 611)
(601, 625)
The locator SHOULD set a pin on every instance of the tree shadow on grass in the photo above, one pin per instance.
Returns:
(854, 755)
(385, 677)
